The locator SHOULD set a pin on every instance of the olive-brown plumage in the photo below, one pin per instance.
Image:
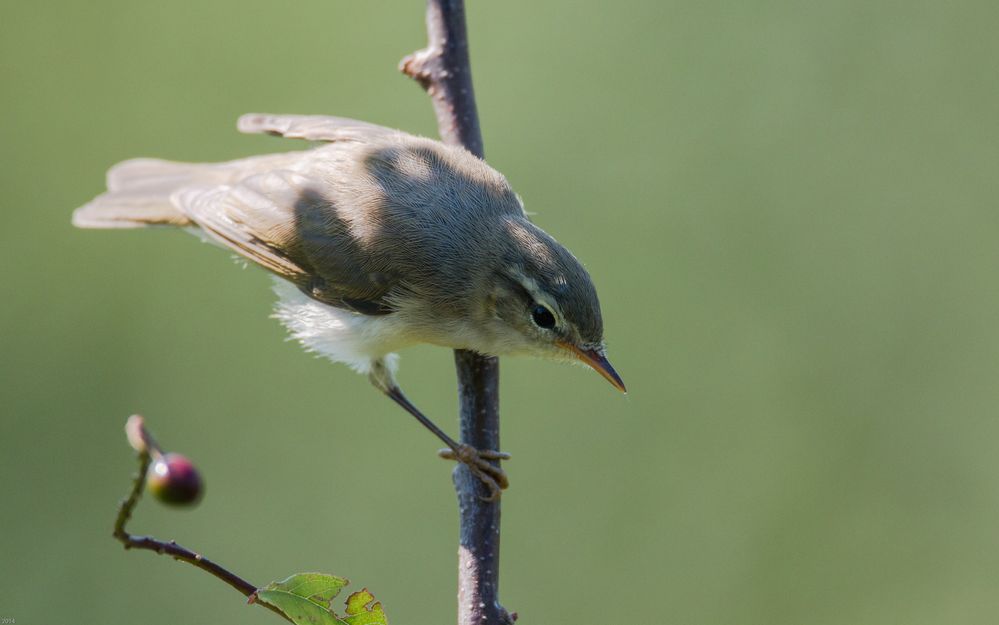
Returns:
(381, 240)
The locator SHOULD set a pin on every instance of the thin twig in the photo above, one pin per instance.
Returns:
(140, 439)
(444, 70)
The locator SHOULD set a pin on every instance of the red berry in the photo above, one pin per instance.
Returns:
(173, 479)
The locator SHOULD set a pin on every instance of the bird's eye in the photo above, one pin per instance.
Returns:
(542, 316)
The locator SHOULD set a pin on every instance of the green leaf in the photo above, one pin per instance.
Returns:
(307, 599)
(316, 587)
(362, 609)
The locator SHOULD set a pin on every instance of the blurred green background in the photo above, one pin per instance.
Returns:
(789, 209)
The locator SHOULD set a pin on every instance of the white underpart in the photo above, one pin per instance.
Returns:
(359, 341)
(365, 343)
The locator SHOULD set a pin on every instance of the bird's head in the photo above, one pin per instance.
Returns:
(544, 303)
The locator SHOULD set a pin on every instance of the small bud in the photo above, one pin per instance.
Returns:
(135, 430)
(173, 480)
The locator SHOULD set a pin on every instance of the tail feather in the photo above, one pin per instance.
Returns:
(151, 174)
(139, 192)
(128, 210)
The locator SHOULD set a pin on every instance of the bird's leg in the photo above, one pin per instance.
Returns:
(478, 460)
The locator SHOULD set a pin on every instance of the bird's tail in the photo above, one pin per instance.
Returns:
(139, 192)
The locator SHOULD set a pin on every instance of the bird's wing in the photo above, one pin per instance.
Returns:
(280, 220)
(310, 127)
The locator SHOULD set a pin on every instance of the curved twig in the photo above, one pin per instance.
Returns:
(141, 440)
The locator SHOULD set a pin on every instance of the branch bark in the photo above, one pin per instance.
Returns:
(444, 71)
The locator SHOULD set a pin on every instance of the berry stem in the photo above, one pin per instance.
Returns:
(136, 431)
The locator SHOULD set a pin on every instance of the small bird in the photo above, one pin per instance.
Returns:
(378, 240)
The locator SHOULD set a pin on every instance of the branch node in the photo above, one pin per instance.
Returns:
(422, 66)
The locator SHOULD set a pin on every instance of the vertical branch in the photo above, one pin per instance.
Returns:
(478, 554)
(444, 71)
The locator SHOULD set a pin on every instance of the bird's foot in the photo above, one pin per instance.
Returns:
(478, 461)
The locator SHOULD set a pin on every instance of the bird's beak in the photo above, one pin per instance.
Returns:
(596, 359)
